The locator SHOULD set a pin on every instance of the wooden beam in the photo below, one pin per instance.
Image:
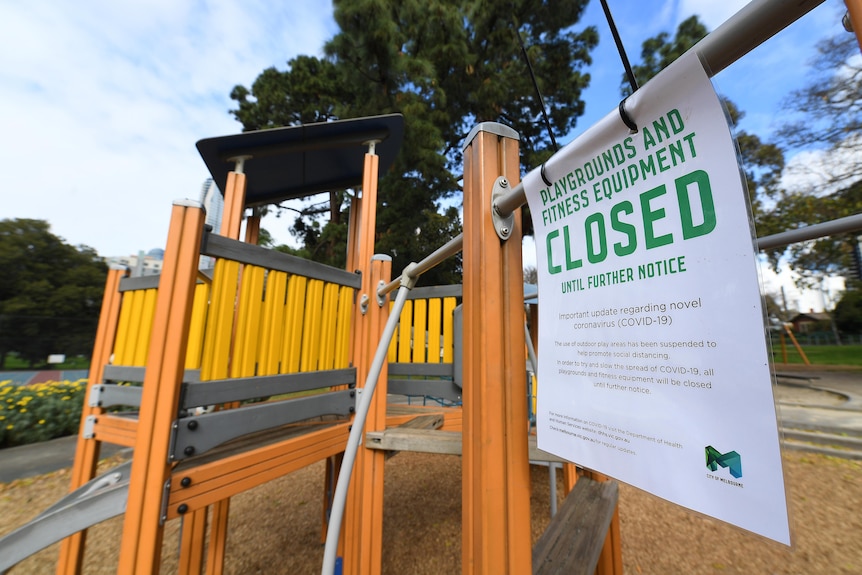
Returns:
(573, 541)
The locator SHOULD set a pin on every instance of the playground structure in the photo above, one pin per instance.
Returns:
(283, 347)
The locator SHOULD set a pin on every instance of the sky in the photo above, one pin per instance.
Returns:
(103, 101)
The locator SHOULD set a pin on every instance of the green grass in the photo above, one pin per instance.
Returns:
(14, 363)
(821, 354)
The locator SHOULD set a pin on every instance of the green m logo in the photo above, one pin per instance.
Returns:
(731, 460)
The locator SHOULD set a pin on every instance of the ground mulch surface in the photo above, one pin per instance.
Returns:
(276, 528)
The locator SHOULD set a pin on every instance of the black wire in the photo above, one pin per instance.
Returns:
(536, 86)
(620, 48)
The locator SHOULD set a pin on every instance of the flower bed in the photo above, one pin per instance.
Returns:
(33, 413)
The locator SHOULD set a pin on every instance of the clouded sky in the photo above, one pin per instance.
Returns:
(103, 101)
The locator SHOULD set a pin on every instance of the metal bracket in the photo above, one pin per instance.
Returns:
(90, 427)
(166, 493)
(363, 303)
(381, 299)
(173, 441)
(95, 395)
(503, 225)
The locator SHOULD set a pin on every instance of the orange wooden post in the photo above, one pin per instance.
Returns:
(234, 205)
(363, 519)
(87, 450)
(140, 547)
(854, 10)
(495, 466)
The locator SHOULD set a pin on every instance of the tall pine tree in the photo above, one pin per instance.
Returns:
(446, 65)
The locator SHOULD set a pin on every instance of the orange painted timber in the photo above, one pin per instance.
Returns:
(234, 195)
(87, 451)
(192, 542)
(854, 9)
(367, 481)
(223, 478)
(140, 546)
(495, 466)
(115, 429)
(363, 518)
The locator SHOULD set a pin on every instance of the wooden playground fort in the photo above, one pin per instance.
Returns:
(287, 352)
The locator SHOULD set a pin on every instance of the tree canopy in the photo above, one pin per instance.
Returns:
(50, 294)
(445, 65)
(825, 117)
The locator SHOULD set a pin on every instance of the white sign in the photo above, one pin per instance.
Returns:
(653, 362)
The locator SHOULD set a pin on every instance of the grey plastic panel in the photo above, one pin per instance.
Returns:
(240, 389)
(198, 434)
(111, 394)
(421, 369)
(439, 388)
(220, 247)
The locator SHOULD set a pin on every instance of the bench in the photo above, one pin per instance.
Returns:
(573, 540)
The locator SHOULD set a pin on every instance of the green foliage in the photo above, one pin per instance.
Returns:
(848, 312)
(38, 412)
(763, 162)
(50, 294)
(658, 52)
(446, 66)
(826, 115)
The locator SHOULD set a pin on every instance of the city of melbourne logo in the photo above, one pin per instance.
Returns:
(731, 460)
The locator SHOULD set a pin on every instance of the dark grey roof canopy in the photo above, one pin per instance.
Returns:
(299, 161)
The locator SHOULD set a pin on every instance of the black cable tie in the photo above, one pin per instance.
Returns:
(627, 120)
(544, 177)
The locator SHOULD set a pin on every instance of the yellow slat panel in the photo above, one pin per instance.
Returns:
(198, 324)
(393, 343)
(329, 324)
(420, 318)
(448, 330)
(145, 327)
(244, 359)
(311, 326)
(135, 318)
(342, 334)
(219, 326)
(273, 323)
(435, 309)
(405, 327)
(125, 329)
(294, 314)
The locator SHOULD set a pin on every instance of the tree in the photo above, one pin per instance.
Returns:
(848, 312)
(826, 114)
(50, 295)
(763, 162)
(445, 65)
(826, 117)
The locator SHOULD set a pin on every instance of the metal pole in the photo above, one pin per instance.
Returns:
(413, 271)
(757, 22)
(834, 227)
(353, 441)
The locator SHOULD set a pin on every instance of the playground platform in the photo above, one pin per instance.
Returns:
(801, 413)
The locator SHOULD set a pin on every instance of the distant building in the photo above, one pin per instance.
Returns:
(213, 203)
(148, 264)
(811, 322)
